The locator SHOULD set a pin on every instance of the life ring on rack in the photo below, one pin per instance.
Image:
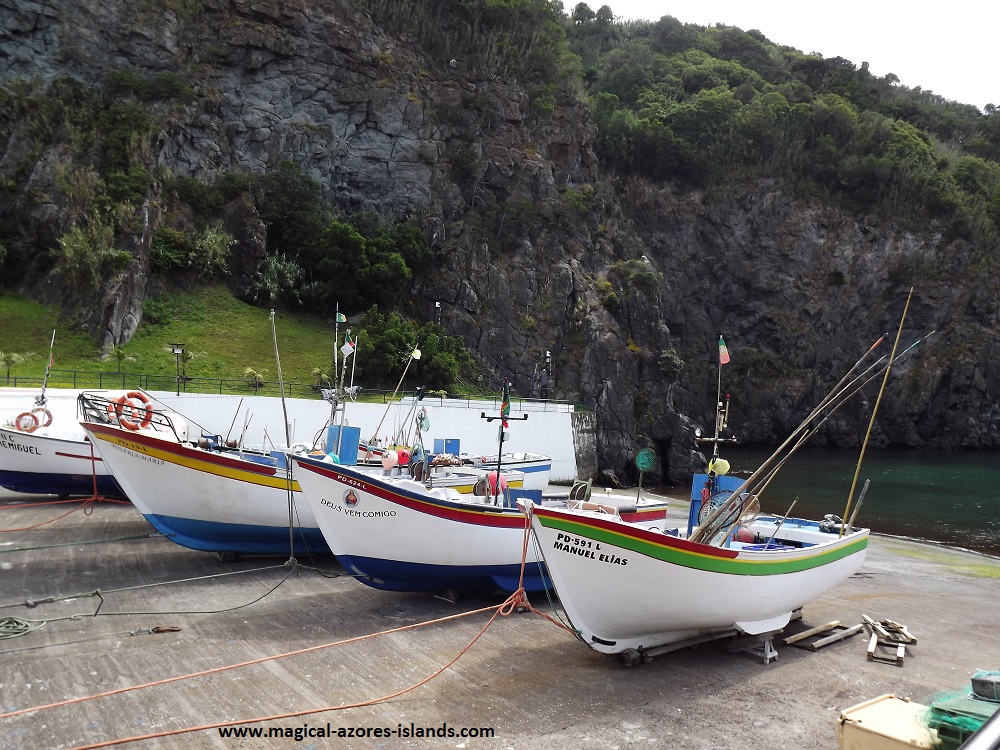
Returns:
(146, 404)
(139, 412)
(26, 422)
(115, 409)
(39, 412)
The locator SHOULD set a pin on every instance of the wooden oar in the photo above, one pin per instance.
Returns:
(783, 519)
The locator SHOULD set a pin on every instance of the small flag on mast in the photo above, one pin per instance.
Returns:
(505, 404)
(341, 318)
(723, 353)
(348, 348)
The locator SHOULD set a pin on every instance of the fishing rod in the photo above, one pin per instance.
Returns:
(415, 354)
(783, 519)
(235, 417)
(857, 507)
(846, 393)
(878, 401)
(719, 512)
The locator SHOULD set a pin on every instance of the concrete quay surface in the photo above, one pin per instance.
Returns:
(102, 584)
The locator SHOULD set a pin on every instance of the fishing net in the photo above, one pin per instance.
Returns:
(726, 511)
(958, 714)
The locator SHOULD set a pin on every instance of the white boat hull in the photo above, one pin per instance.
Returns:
(396, 534)
(207, 500)
(628, 588)
(45, 462)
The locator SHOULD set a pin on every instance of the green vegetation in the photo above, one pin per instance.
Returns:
(227, 339)
(706, 108)
(714, 107)
(515, 40)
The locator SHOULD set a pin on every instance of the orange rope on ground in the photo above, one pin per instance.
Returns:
(372, 701)
(38, 505)
(88, 503)
(242, 664)
(515, 602)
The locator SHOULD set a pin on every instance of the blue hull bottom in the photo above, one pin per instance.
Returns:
(211, 536)
(60, 484)
(392, 575)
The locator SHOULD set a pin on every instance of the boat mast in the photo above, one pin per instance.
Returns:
(40, 401)
(504, 416)
(288, 444)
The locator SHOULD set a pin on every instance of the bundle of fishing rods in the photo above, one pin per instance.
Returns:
(717, 527)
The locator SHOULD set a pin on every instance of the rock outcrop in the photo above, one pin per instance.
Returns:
(617, 288)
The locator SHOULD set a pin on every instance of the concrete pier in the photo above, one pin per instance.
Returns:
(111, 605)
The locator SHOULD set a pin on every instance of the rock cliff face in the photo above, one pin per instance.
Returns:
(625, 284)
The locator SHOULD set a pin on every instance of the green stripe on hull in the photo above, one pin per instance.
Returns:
(706, 562)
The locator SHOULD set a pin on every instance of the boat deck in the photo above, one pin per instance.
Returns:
(164, 612)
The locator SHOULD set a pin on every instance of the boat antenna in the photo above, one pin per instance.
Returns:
(504, 416)
(288, 442)
(871, 422)
(723, 359)
(338, 318)
(349, 348)
(40, 401)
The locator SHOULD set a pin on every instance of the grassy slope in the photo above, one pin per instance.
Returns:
(231, 334)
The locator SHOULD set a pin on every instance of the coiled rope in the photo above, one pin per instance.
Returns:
(12, 627)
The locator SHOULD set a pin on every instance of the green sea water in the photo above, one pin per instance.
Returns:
(943, 497)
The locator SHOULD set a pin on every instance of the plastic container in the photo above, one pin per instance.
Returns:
(885, 723)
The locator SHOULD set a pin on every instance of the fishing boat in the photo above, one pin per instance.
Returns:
(44, 453)
(204, 493)
(637, 592)
(402, 534)
(46, 461)
(627, 588)
(535, 466)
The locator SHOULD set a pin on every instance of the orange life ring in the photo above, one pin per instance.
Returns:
(26, 422)
(146, 404)
(115, 409)
(40, 411)
(132, 407)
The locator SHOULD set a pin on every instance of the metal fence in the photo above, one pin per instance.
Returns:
(78, 379)
(181, 384)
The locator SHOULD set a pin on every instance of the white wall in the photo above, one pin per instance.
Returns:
(547, 430)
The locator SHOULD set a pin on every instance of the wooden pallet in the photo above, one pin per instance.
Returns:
(887, 640)
(823, 635)
(884, 651)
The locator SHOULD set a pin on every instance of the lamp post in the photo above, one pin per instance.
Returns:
(178, 350)
(546, 376)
